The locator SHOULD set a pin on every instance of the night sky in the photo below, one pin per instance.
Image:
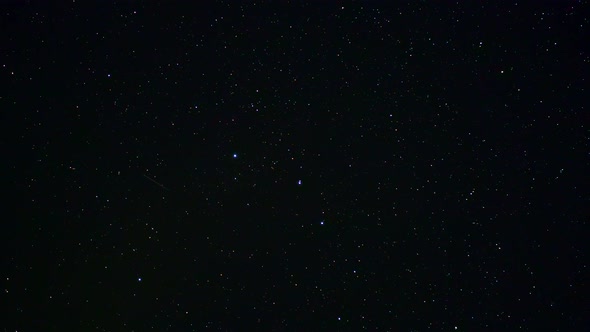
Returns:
(278, 166)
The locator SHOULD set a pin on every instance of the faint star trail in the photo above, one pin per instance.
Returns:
(156, 182)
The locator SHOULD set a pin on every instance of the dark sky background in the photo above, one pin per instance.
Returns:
(278, 166)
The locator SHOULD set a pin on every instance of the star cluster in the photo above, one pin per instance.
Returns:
(289, 166)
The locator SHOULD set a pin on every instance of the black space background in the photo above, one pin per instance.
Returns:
(443, 153)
